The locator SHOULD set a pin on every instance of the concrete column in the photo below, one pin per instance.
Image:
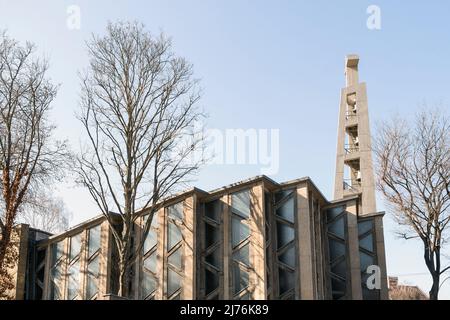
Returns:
(257, 244)
(304, 244)
(340, 152)
(190, 255)
(227, 259)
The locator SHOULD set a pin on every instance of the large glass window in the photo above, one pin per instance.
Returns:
(284, 208)
(240, 235)
(212, 248)
(174, 251)
(57, 271)
(73, 272)
(367, 256)
(337, 250)
(149, 275)
(93, 262)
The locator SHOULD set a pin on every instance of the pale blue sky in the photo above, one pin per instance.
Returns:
(266, 64)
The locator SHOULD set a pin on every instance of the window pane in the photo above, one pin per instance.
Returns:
(288, 257)
(243, 255)
(367, 243)
(176, 211)
(92, 287)
(75, 246)
(212, 235)
(337, 228)
(56, 272)
(365, 261)
(337, 249)
(286, 280)
(239, 230)
(340, 269)
(74, 280)
(338, 288)
(213, 210)
(365, 226)
(154, 223)
(174, 235)
(56, 276)
(211, 281)
(94, 240)
(150, 241)
(175, 258)
(240, 278)
(214, 258)
(57, 251)
(282, 194)
(241, 203)
(173, 282)
(285, 234)
(150, 262)
(94, 266)
(334, 212)
(286, 211)
(148, 284)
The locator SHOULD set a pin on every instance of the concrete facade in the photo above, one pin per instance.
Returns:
(257, 239)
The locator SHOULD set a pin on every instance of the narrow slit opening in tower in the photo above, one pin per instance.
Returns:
(352, 107)
(352, 176)
(351, 139)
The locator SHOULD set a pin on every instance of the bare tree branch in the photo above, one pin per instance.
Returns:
(414, 175)
(139, 111)
(29, 156)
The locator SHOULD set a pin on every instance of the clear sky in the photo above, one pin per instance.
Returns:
(265, 65)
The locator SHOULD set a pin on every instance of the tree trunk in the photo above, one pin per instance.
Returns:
(4, 242)
(123, 277)
(434, 292)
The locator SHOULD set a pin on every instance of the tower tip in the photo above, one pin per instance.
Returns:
(351, 60)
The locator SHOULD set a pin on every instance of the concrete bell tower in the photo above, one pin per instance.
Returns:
(354, 169)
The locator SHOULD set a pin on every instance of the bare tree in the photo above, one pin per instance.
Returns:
(29, 157)
(138, 107)
(414, 176)
(45, 212)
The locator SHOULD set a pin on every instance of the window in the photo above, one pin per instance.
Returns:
(73, 272)
(174, 251)
(337, 250)
(284, 209)
(212, 248)
(240, 238)
(149, 275)
(93, 262)
(57, 270)
(367, 256)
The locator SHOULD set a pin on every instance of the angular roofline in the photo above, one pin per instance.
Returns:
(201, 193)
